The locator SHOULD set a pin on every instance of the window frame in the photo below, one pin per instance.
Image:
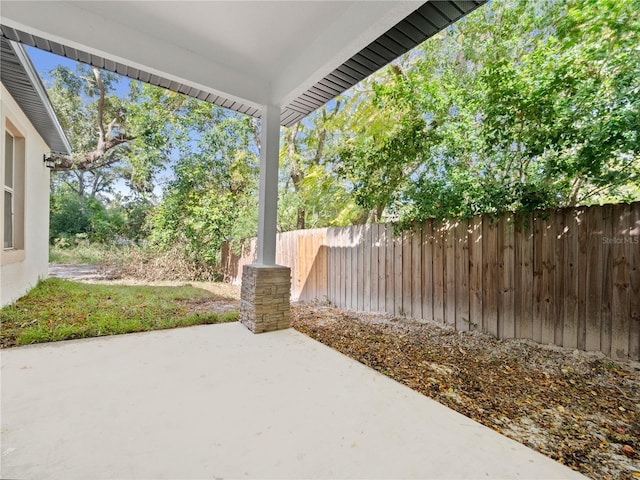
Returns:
(10, 189)
(15, 253)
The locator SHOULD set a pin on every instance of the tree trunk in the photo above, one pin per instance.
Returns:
(300, 223)
(296, 173)
(82, 186)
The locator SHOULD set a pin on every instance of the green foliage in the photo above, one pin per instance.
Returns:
(211, 197)
(153, 117)
(76, 250)
(84, 199)
(96, 220)
(213, 194)
(71, 215)
(61, 310)
(138, 127)
(136, 213)
(67, 216)
(311, 195)
(524, 105)
(73, 95)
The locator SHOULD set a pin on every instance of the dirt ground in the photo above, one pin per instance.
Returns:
(579, 408)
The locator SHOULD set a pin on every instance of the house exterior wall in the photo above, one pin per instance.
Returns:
(23, 266)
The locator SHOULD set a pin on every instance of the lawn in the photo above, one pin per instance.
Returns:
(83, 252)
(61, 310)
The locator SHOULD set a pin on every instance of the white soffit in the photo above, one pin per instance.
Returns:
(237, 54)
(23, 83)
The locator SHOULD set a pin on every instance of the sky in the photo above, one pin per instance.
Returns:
(44, 62)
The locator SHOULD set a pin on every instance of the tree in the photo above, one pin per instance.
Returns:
(311, 195)
(71, 216)
(113, 139)
(105, 129)
(93, 119)
(213, 196)
(524, 105)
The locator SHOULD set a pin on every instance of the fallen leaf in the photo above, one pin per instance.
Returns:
(520, 385)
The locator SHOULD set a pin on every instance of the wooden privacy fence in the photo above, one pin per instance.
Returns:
(571, 278)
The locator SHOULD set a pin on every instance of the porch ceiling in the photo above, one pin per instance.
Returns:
(242, 54)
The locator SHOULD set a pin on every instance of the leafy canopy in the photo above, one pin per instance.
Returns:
(523, 105)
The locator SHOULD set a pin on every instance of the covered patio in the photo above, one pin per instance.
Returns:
(219, 402)
(273, 60)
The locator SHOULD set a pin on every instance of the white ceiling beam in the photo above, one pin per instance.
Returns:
(83, 30)
(349, 34)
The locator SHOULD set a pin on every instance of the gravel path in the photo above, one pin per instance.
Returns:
(80, 272)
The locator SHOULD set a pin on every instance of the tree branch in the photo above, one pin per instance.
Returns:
(94, 159)
(98, 77)
(295, 172)
(322, 136)
(112, 124)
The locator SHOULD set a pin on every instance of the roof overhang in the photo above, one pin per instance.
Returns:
(237, 54)
(21, 80)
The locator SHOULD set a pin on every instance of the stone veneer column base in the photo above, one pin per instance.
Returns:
(264, 297)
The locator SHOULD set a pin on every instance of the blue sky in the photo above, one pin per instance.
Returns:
(45, 62)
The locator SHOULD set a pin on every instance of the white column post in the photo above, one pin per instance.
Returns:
(268, 196)
(266, 287)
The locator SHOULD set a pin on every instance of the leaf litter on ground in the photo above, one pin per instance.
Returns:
(579, 408)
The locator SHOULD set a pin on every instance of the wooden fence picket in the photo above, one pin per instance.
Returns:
(569, 277)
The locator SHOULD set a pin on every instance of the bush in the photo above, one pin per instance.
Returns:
(77, 249)
(148, 263)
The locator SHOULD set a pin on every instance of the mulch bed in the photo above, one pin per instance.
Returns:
(579, 408)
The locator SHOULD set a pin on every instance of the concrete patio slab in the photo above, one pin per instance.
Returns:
(220, 402)
(77, 271)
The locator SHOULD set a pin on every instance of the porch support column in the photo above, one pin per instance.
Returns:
(268, 199)
(266, 287)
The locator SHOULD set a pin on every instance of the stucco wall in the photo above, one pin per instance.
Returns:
(19, 272)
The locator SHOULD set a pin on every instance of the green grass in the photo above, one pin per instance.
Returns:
(82, 253)
(61, 310)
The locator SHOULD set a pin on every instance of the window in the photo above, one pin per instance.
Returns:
(9, 194)
(12, 179)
